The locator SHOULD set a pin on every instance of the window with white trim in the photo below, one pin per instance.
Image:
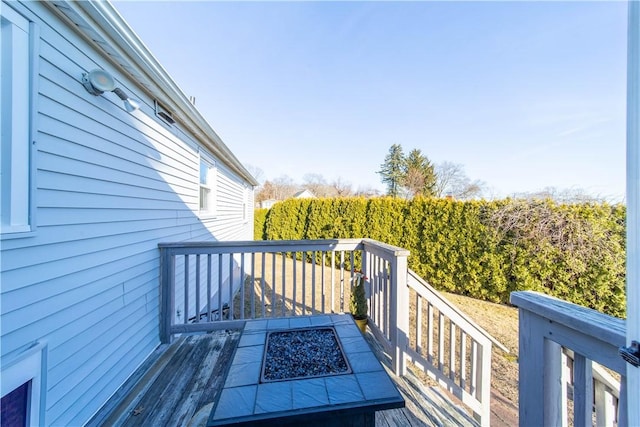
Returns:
(207, 186)
(245, 203)
(15, 122)
(23, 388)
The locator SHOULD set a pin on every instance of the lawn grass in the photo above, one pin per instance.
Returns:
(501, 322)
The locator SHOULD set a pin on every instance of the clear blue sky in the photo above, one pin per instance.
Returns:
(525, 95)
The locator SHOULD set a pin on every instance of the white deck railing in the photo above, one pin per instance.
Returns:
(558, 343)
(212, 285)
(451, 348)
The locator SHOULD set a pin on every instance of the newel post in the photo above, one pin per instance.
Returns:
(399, 316)
(167, 283)
(367, 273)
(531, 359)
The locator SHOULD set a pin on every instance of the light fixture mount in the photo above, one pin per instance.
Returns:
(97, 82)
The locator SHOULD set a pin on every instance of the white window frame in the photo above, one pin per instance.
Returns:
(246, 206)
(210, 185)
(29, 366)
(18, 104)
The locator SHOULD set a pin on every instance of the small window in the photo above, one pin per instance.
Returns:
(245, 204)
(15, 122)
(207, 186)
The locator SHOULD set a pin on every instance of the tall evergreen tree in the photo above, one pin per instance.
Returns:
(393, 169)
(419, 174)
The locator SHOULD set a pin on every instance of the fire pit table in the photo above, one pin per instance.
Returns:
(306, 370)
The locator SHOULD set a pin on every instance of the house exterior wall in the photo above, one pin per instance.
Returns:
(107, 187)
(267, 204)
(304, 194)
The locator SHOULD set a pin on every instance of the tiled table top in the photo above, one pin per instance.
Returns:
(245, 399)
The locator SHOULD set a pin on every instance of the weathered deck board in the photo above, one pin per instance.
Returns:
(183, 379)
(187, 376)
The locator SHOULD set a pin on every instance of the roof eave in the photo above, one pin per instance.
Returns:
(101, 25)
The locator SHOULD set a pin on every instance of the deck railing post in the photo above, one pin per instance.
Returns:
(167, 285)
(531, 373)
(367, 285)
(547, 323)
(399, 315)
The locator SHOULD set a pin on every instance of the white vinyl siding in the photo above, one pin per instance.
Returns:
(110, 187)
(15, 93)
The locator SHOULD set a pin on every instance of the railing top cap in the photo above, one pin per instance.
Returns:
(396, 250)
(327, 242)
(283, 244)
(583, 319)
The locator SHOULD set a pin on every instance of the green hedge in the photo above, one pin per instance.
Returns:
(482, 249)
(259, 217)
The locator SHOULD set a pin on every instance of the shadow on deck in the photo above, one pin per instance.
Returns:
(179, 383)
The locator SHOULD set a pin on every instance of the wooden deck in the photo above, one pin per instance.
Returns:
(178, 385)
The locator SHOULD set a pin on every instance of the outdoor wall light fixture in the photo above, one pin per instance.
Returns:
(98, 82)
